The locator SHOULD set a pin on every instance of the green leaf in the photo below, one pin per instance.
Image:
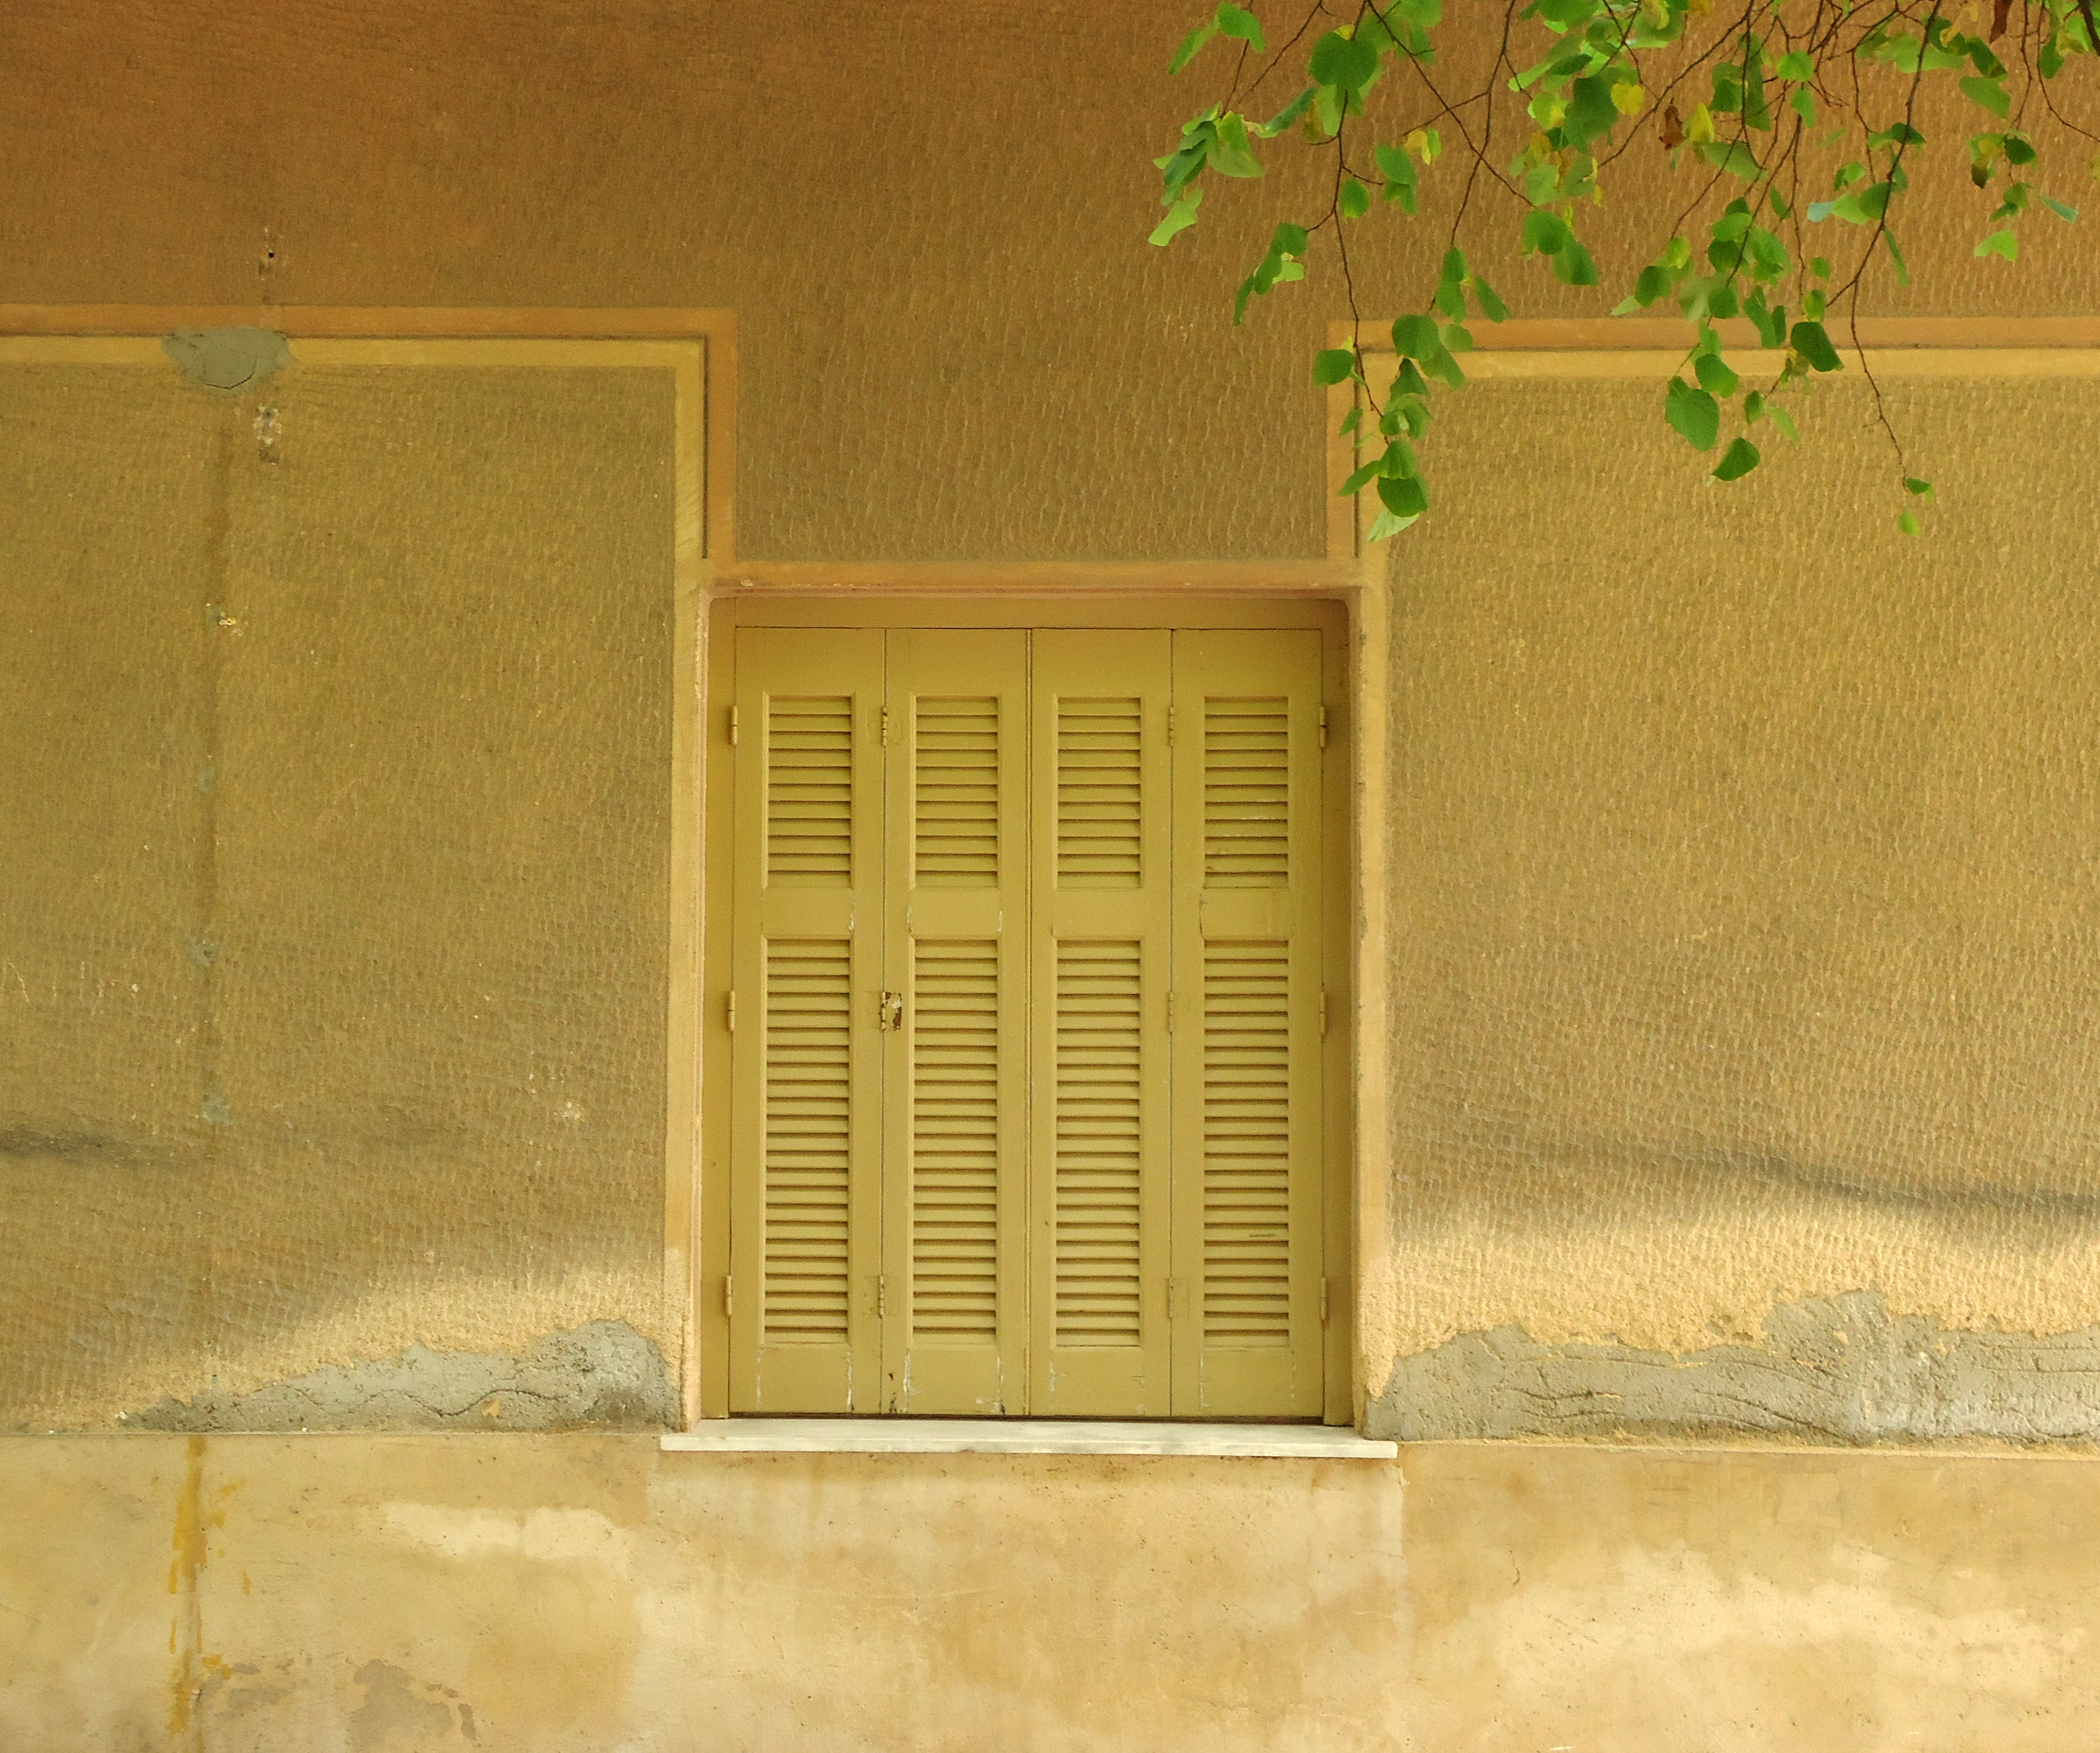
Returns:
(1802, 104)
(1784, 420)
(1739, 458)
(1544, 233)
(2003, 244)
(1457, 339)
(1991, 94)
(1231, 153)
(1713, 375)
(1491, 306)
(1813, 344)
(1574, 266)
(1753, 407)
(2063, 210)
(1655, 282)
(1398, 170)
(1796, 66)
(1179, 217)
(1285, 117)
(1403, 495)
(1344, 62)
(1357, 482)
(1334, 365)
(1696, 415)
(1387, 525)
(1416, 338)
(1590, 111)
(1234, 22)
(1907, 523)
(1896, 256)
(1190, 44)
(1732, 157)
(1352, 420)
(1353, 199)
(1921, 489)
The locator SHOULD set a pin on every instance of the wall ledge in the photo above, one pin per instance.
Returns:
(988, 1436)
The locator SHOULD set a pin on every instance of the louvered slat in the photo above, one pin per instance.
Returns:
(1246, 791)
(955, 791)
(1097, 1159)
(955, 1140)
(807, 1139)
(809, 784)
(1246, 1144)
(1100, 755)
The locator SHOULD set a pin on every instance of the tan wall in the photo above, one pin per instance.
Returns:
(1745, 924)
(1742, 926)
(584, 1592)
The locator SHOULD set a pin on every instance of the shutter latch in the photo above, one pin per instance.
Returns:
(732, 727)
(729, 1294)
(890, 1011)
(1323, 724)
(729, 1011)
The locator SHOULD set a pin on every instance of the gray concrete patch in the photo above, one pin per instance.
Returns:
(229, 361)
(601, 1375)
(1837, 1370)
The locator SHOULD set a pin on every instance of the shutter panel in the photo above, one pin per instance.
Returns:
(806, 932)
(1247, 1218)
(955, 1074)
(1100, 940)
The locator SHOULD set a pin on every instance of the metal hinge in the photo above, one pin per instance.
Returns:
(732, 727)
(1323, 724)
(729, 1294)
(1170, 726)
(1326, 1305)
(890, 1010)
(1170, 1013)
(729, 1013)
(1177, 1299)
(885, 727)
(881, 1296)
(1323, 1013)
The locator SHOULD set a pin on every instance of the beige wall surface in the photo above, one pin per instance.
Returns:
(588, 1593)
(1742, 922)
(929, 217)
(1745, 926)
(334, 892)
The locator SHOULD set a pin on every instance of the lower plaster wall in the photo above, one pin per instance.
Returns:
(366, 1594)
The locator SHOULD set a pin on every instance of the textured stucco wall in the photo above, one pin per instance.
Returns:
(334, 891)
(1745, 926)
(1669, 1058)
(369, 1594)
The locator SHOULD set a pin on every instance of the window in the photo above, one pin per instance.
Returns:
(1029, 1108)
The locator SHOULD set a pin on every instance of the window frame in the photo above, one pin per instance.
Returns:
(998, 604)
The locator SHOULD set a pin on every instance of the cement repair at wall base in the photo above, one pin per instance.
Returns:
(603, 1375)
(1832, 1369)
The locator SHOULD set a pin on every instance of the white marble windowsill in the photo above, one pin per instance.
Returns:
(1020, 1436)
